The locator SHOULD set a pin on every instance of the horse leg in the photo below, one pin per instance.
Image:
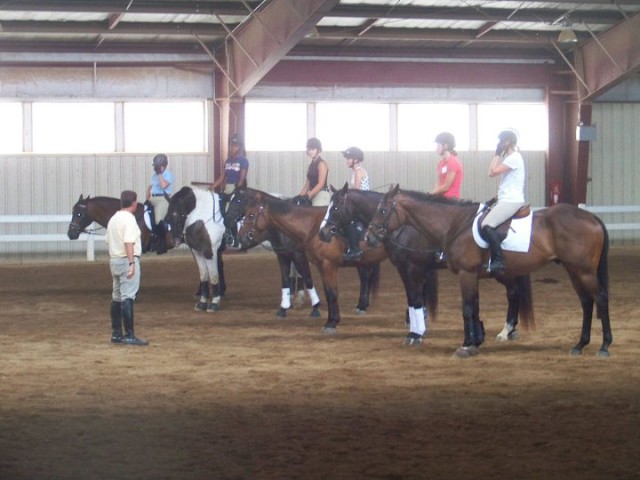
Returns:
(602, 305)
(473, 327)
(222, 284)
(203, 291)
(413, 281)
(330, 281)
(302, 266)
(509, 330)
(214, 285)
(364, 273)
(285, 279)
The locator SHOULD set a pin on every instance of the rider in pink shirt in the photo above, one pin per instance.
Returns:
(449, 167)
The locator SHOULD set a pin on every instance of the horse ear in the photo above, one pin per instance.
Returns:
(80, 199)
(332, 188)
(346, 187)
(396, 189)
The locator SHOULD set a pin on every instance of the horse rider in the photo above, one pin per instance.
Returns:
(315, 189)
(508, 163)
(233, 175)
(359, 180)
(158, 193)
(449, 169)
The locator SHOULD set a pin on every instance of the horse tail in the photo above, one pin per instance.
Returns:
(525, 302)
(430, 291)
(603, 266)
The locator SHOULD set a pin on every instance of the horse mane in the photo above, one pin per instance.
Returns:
(278, 205)
(430, 198)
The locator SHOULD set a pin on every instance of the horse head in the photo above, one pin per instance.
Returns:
(386, 219)
(339, 214)
(80, 218)
(254, 229)
(180, 205)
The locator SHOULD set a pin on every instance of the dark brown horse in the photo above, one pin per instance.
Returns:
(100, 210)
(417, 259)
(563, 233)
(287, 253)
(266, 213)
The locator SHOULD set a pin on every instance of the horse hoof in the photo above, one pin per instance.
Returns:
(413, 340)
(214, 307)
(576, 351)
(281, 313)
(602, 353)
(315, 313)
(200, 307)
(467, 352)
(329, 330)
(360, 311)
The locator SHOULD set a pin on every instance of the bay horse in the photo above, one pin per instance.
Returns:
(195, 217)
(265, 212)
(100, 210)
(286, 251)
(417, 260)
(563, 233)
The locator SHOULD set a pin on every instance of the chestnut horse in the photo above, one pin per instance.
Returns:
(564, 233)
(266, 213)
(416, 259)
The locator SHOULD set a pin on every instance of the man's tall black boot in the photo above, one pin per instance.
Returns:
(116, 321)
(127, 317)
(496, 264)
(352, 234)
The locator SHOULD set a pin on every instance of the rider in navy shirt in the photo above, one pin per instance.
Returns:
(233, 176)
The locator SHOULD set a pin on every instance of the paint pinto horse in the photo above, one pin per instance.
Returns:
(564, 233)
(266, 213)
(195, 218)
(287, 253)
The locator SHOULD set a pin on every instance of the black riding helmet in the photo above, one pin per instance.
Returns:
(508, 136)
(314, 143)
(237, 140)
(355, 153)
(446, 138)
(160, 160)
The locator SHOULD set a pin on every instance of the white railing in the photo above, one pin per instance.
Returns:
(46, 237)
(615, 209)
(91, 239)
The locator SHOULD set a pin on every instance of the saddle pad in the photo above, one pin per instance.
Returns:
(147, 218)
(518, 236)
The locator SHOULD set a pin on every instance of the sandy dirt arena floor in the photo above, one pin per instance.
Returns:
(240, 394)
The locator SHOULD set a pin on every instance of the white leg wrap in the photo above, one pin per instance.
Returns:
(286, 299)
(416, 321)
(313, 296)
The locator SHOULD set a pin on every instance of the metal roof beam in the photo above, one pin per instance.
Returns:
(609, 58)
(267, 36)
(126, 6)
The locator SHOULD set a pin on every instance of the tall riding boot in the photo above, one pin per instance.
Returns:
(116, 322)
(496, 264)
(161, 238)
(127, 317)
(352, 234)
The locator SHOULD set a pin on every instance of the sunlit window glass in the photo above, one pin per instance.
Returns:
(341, 125)
(11, 127)
(164, 127)
(73, 127)
(275, 126)
(418, 125)
(529, 120)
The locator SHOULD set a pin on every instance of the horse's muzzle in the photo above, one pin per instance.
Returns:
(327, 232)
(373, 239)
(73, 232)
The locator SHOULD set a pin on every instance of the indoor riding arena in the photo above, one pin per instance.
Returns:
(92, 92)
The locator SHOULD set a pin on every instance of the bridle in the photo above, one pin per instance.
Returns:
(251, 220)
(380, 232)
(82, 213)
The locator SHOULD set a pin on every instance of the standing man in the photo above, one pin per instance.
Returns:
(449, 167)
(158, 193)
(123, 238)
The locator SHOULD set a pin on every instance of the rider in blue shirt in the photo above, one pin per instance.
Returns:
(158, 193)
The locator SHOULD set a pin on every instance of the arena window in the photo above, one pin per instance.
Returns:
(11, 127)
